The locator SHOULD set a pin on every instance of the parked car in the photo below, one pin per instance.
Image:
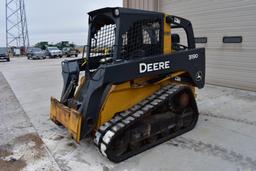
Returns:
(69, 51)
(53, 52)
(4, 54)
(36, 53)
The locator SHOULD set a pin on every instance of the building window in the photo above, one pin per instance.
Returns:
(200, 39)
(232, 39)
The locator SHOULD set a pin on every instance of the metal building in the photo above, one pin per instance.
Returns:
(227, 29)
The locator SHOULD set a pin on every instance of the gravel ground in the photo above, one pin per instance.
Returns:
(222, 140)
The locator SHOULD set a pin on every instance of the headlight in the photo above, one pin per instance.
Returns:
(116, 12)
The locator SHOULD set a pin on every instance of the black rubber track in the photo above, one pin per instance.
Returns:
(114, 158)
(118, 159)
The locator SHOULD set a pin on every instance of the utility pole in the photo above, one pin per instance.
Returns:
(16, 24)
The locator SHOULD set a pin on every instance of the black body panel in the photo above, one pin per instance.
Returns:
(179, 61)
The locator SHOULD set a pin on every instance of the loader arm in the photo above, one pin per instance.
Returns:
(70, 73)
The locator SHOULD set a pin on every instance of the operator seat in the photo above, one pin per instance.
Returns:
(176, 42)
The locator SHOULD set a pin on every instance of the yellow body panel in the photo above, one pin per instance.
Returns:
(122, 97)
(167, 38)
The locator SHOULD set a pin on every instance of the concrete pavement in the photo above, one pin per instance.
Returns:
(20, 145)
(224, 138)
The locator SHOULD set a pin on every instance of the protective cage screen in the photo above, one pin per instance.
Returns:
(103, 41)
(142, 39)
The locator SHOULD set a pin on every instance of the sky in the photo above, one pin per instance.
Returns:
(57, 20)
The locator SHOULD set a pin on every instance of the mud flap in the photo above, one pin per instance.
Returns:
(68, 117)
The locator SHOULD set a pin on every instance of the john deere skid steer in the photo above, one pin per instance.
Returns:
(136, 87)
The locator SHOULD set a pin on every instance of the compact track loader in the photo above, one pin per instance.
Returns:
(136, 87)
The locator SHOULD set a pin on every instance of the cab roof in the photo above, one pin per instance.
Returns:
(123, 11)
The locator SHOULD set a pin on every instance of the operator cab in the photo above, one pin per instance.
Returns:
(142, 35)
(110, 42)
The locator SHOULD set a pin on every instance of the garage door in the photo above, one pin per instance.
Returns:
(141, 4)
(228, 64)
